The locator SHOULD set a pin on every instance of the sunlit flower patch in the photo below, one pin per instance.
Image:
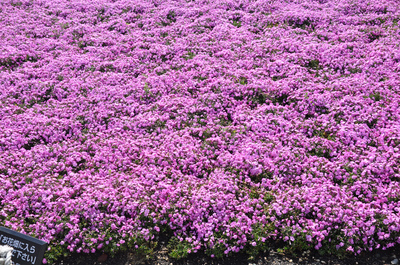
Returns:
(221, 125)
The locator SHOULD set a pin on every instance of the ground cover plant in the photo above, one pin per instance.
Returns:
(221, 125)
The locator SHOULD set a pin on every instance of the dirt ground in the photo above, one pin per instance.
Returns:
(377, 257)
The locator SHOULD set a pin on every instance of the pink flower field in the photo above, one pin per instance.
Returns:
(224, 126)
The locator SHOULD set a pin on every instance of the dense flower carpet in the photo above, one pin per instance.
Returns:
(222, 125)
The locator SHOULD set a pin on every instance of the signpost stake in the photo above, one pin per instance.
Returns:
(5, 255)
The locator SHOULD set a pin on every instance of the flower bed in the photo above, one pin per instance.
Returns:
(221, 125)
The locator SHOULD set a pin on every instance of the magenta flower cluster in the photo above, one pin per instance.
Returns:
(223, 124)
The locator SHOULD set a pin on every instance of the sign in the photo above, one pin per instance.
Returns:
(27, 250)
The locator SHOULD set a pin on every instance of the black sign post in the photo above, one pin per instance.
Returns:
(27, 250)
